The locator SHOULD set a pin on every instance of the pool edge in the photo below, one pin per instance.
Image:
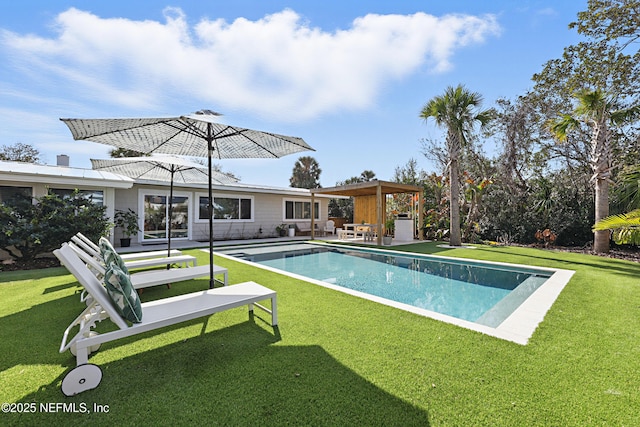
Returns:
(518, 327)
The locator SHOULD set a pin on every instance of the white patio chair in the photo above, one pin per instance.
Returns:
(330, 227)
(155, 314)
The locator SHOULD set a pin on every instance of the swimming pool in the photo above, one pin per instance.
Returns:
(471, 292)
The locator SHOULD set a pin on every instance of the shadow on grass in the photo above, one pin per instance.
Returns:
(233, 376)
(33, 335)
(62, 286)
(233, 369)
(17, 275)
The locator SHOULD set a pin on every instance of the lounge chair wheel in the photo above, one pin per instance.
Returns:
(92, 349)
(81, 378)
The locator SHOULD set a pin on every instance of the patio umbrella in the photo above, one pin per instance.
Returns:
(162, 168)
(197, 135)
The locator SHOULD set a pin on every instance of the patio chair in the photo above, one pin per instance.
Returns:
(330, 227)
(153, 315)
(145, 279)
(83, 241)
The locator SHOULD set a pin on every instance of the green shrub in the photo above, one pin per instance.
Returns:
(30, 229)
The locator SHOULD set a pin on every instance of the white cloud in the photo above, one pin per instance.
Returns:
(277, 66)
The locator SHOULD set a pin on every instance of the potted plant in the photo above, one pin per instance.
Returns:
(128, 222)
(389, 228)
(282, 229)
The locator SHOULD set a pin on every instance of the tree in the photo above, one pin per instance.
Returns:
(409, 173)
(123, 152)
(607, 59)
(627, 190)
(610, 20)
(306, 173)
(598, 112)
(20, 152)
(457, 112)
(367, 175)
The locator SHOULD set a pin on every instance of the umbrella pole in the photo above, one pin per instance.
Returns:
(210, 151)
(170, 217)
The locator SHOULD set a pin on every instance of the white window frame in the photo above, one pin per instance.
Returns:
(199, 220)
(157, 192)
(72, 189)
(294, 200)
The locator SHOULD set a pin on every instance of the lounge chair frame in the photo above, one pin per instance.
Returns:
(156, 314)
(148, 259)
(84, 242)
(145, 279)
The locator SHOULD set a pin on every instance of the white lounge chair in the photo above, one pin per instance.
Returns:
(155, 314)
(145, 279)
(138, 261)
(83, 241)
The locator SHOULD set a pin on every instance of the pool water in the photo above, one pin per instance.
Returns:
(475, 292)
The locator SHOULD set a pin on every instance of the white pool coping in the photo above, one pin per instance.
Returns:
(517, 327)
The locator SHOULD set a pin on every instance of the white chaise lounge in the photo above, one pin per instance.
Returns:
(83, 241)
(145, 279)
(155, 314)
(148, 259)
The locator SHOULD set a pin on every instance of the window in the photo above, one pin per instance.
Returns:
(7, 193)
(227, 208)
(95, 196)
(300, 210)
(156, 211)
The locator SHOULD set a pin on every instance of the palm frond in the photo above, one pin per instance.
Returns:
(631, 219)
(626, 227)
(561, 126)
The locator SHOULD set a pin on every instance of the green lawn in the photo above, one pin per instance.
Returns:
(336, 359)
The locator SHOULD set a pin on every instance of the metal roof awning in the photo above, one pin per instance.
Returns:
(30, 172)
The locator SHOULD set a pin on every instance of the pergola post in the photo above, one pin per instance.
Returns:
(420, 215)
(379, 214)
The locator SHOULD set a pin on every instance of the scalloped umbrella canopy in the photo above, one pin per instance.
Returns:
(197, 135)
(162, 168)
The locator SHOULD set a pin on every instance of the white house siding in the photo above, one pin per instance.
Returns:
(122, 193)
(267, 207)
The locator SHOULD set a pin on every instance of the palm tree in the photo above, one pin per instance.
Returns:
(367, 175)
(456, 111)
(597, 111)
(306, 173)
(626, 227)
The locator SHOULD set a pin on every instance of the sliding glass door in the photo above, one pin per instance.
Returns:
(156, 212)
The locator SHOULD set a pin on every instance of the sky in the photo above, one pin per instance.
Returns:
(349, 77)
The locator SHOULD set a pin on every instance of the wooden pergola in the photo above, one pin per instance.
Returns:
(370, 193)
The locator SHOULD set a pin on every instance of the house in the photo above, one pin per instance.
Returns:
(242, 211)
